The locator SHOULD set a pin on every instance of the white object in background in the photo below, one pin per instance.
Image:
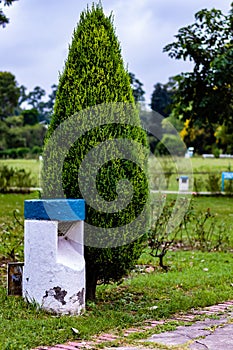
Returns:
(183, 183)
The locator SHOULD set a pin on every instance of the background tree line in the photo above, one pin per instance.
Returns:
(24, 116)
(198, 103)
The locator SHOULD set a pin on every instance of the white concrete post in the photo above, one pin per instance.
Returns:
(183, 183)
(54, 266)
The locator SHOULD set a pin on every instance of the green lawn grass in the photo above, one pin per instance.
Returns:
(196, 168)
(195, 279)
(11, 201)
(30, 165)
(195, 164)
(212, 164)
(220, 207)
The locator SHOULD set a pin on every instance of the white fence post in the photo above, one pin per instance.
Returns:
(54, 266)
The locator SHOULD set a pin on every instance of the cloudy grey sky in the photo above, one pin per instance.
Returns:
(34, 45)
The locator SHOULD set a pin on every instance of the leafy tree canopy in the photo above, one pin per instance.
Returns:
(136, 85)
(30, 116)
(161, 98)
(3, 19)
(36, 99)
(205, 95)
(9, 94)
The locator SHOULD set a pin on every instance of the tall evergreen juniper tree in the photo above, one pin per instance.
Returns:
(94, 74)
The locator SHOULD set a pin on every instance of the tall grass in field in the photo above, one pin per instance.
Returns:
(33, 166)
(162, 171)
(204, 174)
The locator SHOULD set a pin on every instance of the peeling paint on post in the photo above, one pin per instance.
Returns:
(54, 266)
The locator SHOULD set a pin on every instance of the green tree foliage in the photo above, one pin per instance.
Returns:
(91, 68)
(138, 92)
(201, 137)
(20, 127)
(19, 135)
(94, 74)
(50, 101)
(3, 19)
(36, 99)
(9, 94)
(205, 95)
(23, 95)
(161, 98)
(224, 138)
(30, 116)
(20, 131)
(3, 133)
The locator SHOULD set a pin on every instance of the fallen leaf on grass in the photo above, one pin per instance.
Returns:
(153, 307)
(76, 331)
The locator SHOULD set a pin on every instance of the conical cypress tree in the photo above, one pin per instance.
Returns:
(94, 75)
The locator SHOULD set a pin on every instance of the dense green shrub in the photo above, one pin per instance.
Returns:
(94, 75)
(11, 177)
(21, 152)
(36, 150)
(11, 238)
(8, 153)
(213, 183)
(13, 134)
(170, 142)
(198, 229)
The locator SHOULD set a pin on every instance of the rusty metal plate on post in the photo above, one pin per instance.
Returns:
(14, 278)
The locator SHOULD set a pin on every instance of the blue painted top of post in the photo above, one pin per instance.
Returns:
(55, 209)
(226, 175)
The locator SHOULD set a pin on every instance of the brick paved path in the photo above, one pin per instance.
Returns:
(212, 334)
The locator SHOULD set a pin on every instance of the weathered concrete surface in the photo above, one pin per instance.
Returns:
(212, 334)
(130, 348)
(221, 338)
(209, 334)
(54, 267)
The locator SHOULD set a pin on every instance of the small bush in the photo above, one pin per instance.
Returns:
(9, 153)
(196, 230)
(10, 177)
(161, 238)
(6, 174)
(22, 152)
(36, 150)
(201, 232)
(213, 183)
(198, 184)
(11, 239)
